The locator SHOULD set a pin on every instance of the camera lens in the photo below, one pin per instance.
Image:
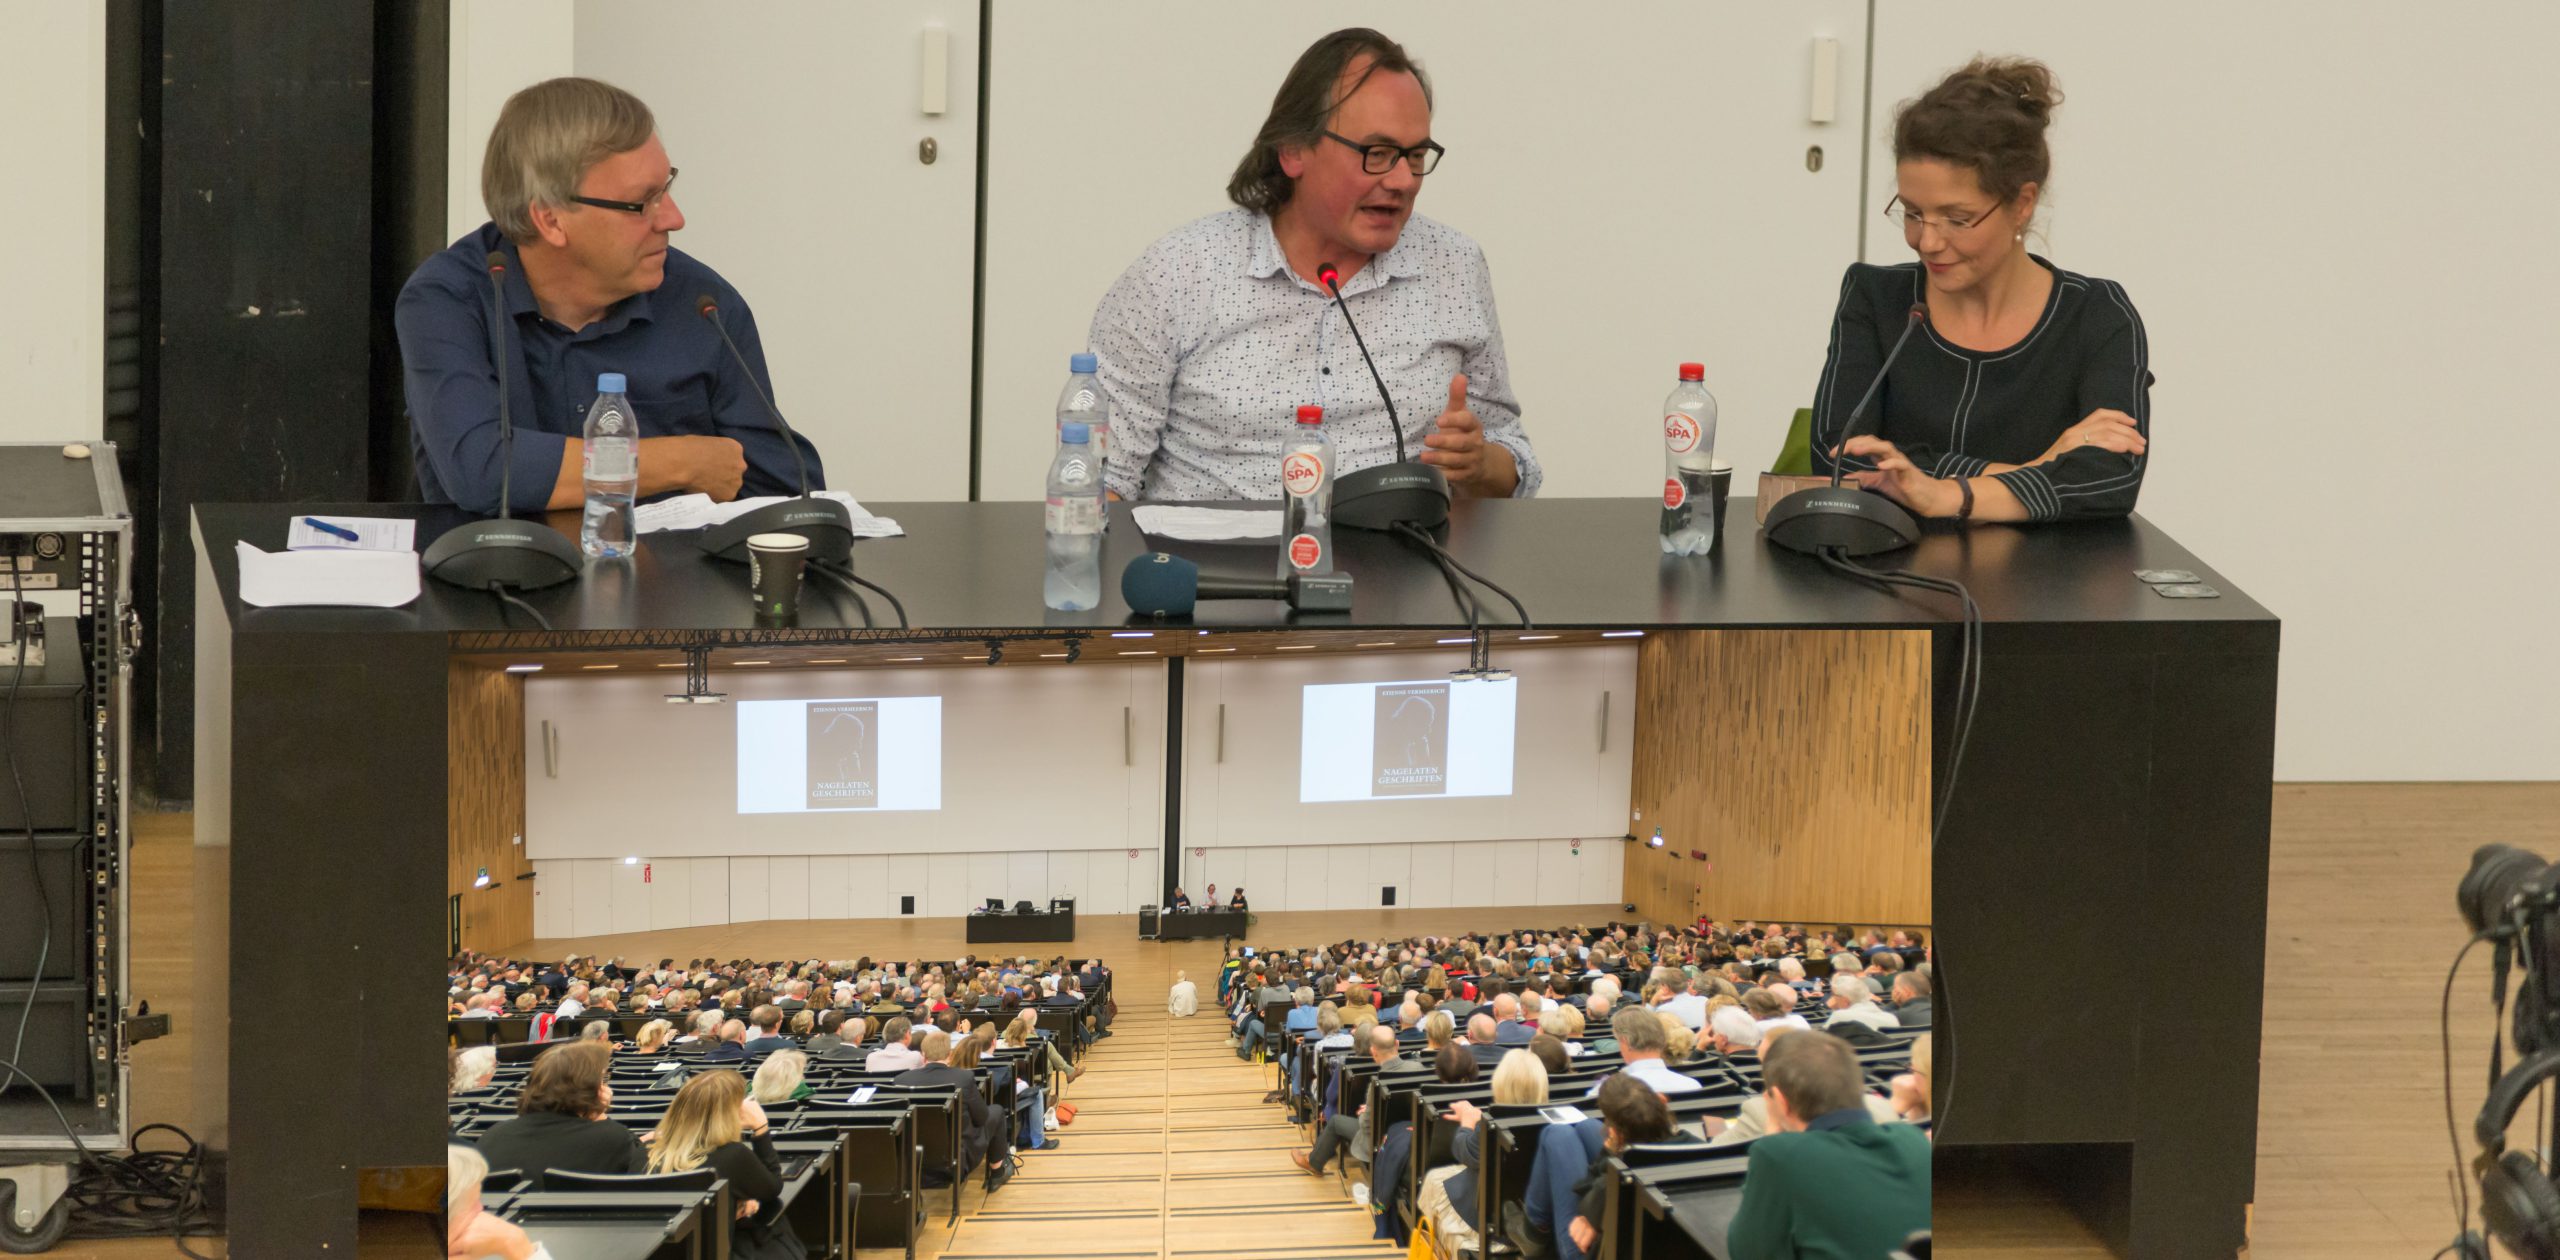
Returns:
(2498, 872)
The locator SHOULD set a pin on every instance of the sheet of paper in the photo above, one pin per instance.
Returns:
(358, 579)
(863, 1095)
(1564, 1115)
(372, 533)
(1195, 524)
(696, 511)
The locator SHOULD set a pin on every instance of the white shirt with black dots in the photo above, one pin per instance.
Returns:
(1209, 344)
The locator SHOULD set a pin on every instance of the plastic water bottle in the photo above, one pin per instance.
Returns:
(1074, 579)
(1306, 499)
(1688, 461)
(1082, 401)
(612, 453)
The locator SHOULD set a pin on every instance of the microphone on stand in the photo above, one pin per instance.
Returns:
(1160, 585)
(827, 524)
(491, 555)
(1845, 519)
(1388, 495)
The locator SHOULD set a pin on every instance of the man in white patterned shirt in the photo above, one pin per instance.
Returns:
(1211, 341)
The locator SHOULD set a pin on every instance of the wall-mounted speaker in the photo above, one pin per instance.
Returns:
(1387, 895)
(906, 905)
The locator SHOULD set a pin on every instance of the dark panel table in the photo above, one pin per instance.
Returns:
(1199, 925)
(1039, 925)
(2115, 795)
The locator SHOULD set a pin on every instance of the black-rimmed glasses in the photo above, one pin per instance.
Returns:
(634, 207)
(1378, 159)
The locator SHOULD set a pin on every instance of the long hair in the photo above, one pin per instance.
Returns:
(702, 1119)
(1305, 102)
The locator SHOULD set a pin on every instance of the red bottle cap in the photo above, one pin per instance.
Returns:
(1693, 371)
(1310, 415)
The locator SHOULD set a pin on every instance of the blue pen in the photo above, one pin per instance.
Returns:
(327, 528)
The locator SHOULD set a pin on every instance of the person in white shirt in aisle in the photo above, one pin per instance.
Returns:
(1214, 337)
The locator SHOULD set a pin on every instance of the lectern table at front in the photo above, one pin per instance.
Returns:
(2116, 791)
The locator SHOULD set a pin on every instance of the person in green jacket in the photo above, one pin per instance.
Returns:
(1828, 1182)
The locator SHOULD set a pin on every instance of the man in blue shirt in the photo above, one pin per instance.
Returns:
(579, 194)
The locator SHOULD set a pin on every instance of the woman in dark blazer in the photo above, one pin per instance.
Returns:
(560, 1119)
(712, 1123)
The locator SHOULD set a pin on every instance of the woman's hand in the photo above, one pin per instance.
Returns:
(747, 1208)
(2106, 428)
(1910, 1097)
(1466, 1112)
(751, 1114)
(1898, 479)
(1584, 1233)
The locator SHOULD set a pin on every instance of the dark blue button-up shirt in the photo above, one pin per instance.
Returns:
(681, 380)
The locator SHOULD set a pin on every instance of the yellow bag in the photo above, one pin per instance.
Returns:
(1425, 1246)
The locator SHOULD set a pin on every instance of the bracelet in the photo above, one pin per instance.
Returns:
(1964, 510)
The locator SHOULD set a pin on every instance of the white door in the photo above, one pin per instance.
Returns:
(1638, 180)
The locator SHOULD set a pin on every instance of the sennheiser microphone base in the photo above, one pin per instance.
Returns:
(1390, 495)
(526, 555)
(827, 524)
(1845, 519)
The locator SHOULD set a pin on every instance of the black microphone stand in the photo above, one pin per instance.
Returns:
(493, 555)
(825, 523)
(1388, 495)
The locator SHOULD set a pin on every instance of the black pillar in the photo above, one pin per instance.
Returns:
(299, 175)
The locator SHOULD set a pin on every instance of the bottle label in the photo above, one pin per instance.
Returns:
(1304, 551)
(1081, 514)
(610, 459)
(1301, 473)
(1673, 494)
(1680, 432)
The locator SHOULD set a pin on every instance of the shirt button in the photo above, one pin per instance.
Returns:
(1328, 371)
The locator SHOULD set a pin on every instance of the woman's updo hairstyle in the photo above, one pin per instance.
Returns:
(1989, 117)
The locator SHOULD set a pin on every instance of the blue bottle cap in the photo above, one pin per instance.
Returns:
(1075, 433)
(1084, 362)
(611, 383)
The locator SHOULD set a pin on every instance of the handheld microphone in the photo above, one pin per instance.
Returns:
(827, 524)
(1388, 495)
(493, 555)
(1843, 519)
(1161, 585)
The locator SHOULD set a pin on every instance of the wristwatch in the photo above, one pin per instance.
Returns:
(1964, 510)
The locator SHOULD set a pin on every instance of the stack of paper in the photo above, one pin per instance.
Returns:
(697, 511)
(1193, 524)
(363, 579)
(372, 533)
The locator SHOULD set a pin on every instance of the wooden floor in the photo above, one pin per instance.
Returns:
(1177, 1157)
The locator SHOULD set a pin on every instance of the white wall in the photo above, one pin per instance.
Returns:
(801, 186)
(1032, 758)
(1567, 780)
(2336, 223)
(53, 349)
(1669, 218)
(577, 897)
(1425, 876)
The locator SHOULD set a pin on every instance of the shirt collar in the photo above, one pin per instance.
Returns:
(1845, 1118)
(1264, 259)
(520, 302)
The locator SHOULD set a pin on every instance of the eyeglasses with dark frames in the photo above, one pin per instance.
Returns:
(1909, 220)
(1378, 159)
(633, 207)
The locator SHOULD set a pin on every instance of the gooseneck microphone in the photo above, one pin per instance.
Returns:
(1161, 585)
(1388, 495)
(1846, 520)
(492, 555)
(827, 524)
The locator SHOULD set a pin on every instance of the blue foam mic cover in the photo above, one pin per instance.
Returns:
(1160, 585)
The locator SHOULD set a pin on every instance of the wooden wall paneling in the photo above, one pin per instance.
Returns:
(1798, 761)
(484, 805)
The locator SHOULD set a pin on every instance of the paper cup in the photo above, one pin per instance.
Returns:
(774, 562)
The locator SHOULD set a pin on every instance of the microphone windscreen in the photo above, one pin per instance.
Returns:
(1157, 584)
(705, 305)
(1328, 275)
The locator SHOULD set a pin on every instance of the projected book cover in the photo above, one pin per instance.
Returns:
(1410, 752)
(844, 754)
